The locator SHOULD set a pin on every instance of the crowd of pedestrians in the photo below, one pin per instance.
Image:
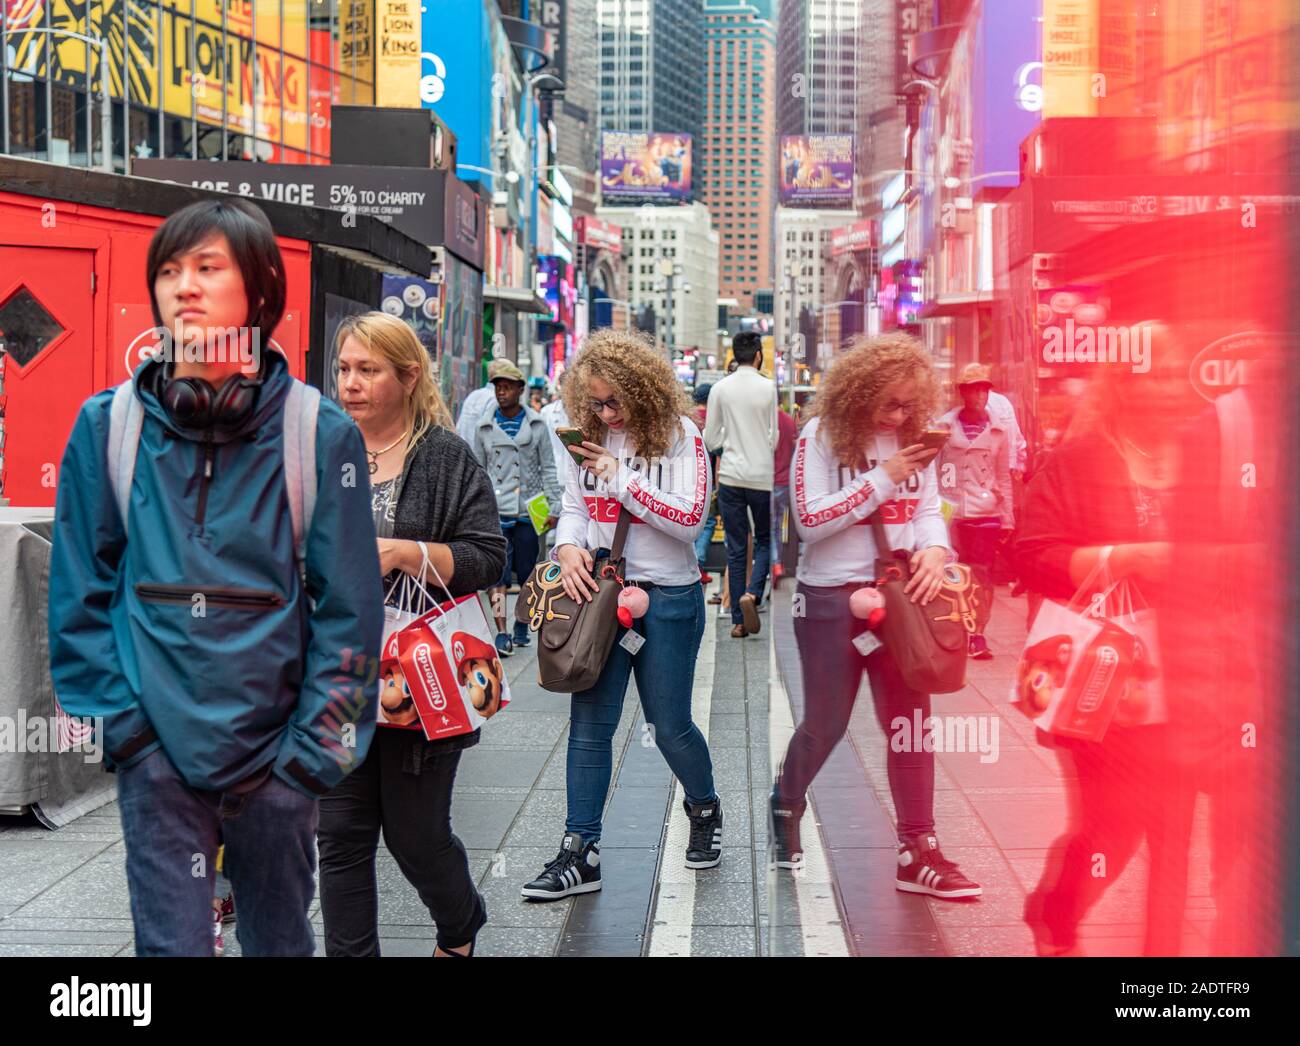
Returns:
(228, 545)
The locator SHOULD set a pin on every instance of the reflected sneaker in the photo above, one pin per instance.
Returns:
(521, 636)
(979, 649)
(1048, 941)
(218, 941)
(784, 831)
(504, 645)
(576, 869)
(922, 868)
(704, 847)
(228, 908)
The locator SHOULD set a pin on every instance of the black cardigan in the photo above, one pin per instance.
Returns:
(1081, 496)
(446, 497)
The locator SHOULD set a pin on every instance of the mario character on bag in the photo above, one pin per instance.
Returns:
(1135, 704)
(1042, 671)
(479, 671)
(396, 705)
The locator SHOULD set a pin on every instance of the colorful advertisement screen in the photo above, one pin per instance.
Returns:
(817, 170)
(555, 285)
(645, 166)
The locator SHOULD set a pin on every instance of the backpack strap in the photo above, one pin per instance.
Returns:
(125, 419)
(301, 408)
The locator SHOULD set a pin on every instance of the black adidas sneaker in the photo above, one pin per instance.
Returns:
(704, 848)
(922, 868)
(576, 869)
(784, 839)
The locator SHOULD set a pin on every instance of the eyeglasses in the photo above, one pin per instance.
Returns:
(600, 406)
(907, 408)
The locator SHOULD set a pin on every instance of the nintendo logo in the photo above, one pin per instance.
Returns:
(423, 657)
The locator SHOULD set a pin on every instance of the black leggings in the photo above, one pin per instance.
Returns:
(832, 672)
(404, 788)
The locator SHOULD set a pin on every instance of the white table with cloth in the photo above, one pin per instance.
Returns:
(57, 786)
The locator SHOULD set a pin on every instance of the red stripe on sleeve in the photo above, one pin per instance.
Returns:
(668, 512)
(817, 519)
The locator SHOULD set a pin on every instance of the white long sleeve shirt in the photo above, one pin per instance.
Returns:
(471, 411)
(555, 416)
(667, 498)
(833, 505)
(1000, 408)
(741, 422)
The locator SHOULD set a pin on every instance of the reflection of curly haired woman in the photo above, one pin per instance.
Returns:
(861, 453)
(642, 456)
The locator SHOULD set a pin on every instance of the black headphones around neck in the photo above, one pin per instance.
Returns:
(192, 403)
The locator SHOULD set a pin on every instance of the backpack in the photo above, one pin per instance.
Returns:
(301, 407)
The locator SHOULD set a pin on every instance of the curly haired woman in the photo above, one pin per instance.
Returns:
(861, 453)
(645, 457)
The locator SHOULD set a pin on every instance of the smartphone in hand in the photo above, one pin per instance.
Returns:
(935, 439)
(571, 438)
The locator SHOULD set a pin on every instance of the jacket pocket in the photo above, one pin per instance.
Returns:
(217, 596)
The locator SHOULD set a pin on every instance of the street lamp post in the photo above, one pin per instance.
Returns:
(106, 109)
(670, 270)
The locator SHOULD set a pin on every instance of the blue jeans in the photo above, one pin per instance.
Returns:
(705, 539)
(522, 543)
(832, 673)
(665, 676)
(780, 502)
(172, 831)
(738, 504)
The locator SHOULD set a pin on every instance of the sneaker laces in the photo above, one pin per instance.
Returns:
(701, 837)
(936, 860)
(562, 860)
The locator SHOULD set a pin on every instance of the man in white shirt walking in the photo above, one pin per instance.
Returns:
(742, 424)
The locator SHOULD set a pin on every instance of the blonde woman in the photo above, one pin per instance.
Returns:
(645, 457)
(426, 488)
(860, 454)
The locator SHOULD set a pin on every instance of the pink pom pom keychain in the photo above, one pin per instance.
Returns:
(867, 604)
(633, 602)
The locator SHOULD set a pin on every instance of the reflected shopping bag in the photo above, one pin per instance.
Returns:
(1091, 662)
(450, 665)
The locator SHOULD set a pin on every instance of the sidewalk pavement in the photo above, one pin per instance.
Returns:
(999, 820)
(65, 892)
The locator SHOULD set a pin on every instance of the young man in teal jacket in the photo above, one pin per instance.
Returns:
(223, 629)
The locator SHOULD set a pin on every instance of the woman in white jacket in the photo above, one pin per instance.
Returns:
(861, 453)
(975, 475)
(645, 457)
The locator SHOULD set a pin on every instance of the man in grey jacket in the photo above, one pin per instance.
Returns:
(514, 445)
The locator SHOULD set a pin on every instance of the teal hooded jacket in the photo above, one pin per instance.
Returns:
(196, 634)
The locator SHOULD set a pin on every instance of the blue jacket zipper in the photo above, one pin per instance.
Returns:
(204, 479)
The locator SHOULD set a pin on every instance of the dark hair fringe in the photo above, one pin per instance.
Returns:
(252, 243)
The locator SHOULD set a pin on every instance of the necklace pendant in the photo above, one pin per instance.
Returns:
(373, 466)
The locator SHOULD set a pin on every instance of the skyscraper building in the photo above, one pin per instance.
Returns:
(817, 66)
(575, 110)
(738, 148)
(651, 65)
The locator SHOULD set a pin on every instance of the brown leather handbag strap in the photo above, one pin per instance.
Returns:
(620, 533)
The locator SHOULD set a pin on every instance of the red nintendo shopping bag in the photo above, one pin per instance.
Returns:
(1091, 662)
(439, 670)
(452, 669)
